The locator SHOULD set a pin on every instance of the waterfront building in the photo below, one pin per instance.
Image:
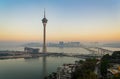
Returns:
(72, 44)
(61, 44)
(31, 50)
(75, 44)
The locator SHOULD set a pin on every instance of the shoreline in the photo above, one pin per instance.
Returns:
(26, 55)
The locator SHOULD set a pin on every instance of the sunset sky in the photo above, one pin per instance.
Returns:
(68, 20)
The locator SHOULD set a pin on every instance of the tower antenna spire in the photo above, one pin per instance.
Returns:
(44, 13)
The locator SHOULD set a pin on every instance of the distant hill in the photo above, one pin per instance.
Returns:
(116, 45)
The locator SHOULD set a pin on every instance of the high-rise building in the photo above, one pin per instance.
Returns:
(44, 21)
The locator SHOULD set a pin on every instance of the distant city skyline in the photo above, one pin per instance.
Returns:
(69, 20)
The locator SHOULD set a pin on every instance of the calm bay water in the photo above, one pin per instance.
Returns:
(36, 68)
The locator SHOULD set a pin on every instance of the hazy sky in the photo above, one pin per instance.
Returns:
(68, 20)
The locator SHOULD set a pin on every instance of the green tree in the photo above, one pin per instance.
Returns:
(104, 65)
(85, 70)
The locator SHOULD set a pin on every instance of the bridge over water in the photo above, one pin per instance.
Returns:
(98, 50)
(93, 52)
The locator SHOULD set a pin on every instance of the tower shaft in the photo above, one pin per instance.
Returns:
(44, 38)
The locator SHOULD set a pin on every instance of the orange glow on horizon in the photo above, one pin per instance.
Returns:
(64, 36)
(111, 37)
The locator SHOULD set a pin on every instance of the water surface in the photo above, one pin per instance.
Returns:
(34, 68)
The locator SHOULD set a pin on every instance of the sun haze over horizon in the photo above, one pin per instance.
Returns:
(68, 20)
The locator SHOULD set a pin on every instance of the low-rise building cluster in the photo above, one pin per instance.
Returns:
(65, 71)
(114, 70)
